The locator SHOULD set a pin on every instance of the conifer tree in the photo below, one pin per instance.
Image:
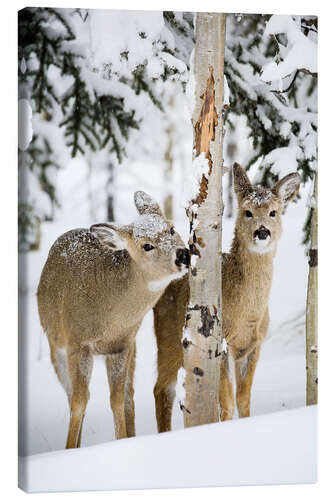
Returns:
(95, 106)
(100, 105)
(282, 114)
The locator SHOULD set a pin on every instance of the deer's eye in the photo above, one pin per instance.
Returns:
(172, 231)
(248, 213)
(147, 247)
(272, 213)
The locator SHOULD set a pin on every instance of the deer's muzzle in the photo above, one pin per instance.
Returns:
(182, 257)
(262, 233)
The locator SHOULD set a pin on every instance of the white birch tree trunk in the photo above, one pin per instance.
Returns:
(202, 336)
(312, 309)
(168, 201)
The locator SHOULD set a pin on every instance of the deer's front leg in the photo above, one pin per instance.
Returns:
(227, 400)
(245, 369)
(80, 364)
(117, 365)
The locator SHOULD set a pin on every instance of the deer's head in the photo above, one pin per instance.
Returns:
(259, 224)
(151, 241)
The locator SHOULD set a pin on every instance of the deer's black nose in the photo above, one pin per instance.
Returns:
(262, 233)
(182, 257)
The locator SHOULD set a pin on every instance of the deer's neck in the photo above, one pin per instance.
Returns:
(255, 269)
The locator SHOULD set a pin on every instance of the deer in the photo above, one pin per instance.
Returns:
(247, 272)
(95, 288)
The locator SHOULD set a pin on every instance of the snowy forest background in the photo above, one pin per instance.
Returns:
(110, 93)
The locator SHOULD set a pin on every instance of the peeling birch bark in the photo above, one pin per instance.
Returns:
(202, 336)
(312, 310)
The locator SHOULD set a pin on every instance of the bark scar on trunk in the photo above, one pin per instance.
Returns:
(204, 131)
(313, 257)
(198, 371)
(207, 321)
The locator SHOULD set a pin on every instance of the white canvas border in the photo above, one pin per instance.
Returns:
(8, 247)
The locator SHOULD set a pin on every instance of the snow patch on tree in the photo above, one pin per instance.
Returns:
(190, 89)
(282, 161)
(180, 389)
(195, 171)
(226, 90)
(25, 131)
(300, 53)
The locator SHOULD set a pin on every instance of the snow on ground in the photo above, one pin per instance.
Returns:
(279, 381)
(278, 448)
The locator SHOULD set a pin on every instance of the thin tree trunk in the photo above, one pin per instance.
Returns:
(312, 309)
(168, 211)
(110, 192)
(231, 150)
(202, 337)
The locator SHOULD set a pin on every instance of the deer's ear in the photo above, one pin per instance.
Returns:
(242, 184)
(145, 204)
(112, 235)
(287, 187)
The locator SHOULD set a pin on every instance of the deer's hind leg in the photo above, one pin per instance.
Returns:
(169, 317)
(60, 364)
(80, 362)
